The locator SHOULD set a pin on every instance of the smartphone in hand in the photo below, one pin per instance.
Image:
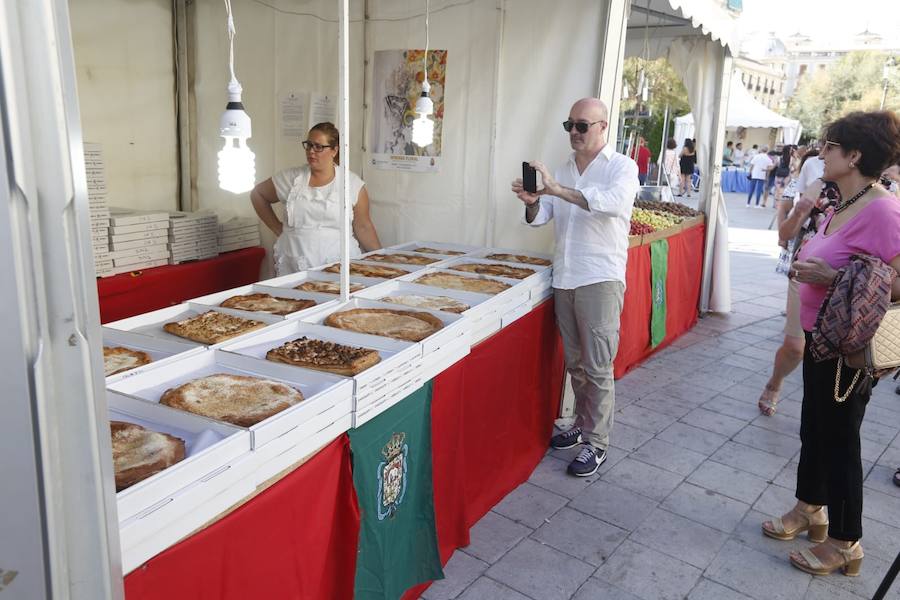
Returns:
(529, 178)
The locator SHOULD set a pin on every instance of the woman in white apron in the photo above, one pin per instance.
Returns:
(311, 233)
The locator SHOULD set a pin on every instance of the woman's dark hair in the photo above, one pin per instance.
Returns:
(875, 134)
(334, 137)
(786, 156)
(689, 144)
(671, 144)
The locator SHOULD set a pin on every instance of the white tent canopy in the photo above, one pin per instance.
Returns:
(744, 111)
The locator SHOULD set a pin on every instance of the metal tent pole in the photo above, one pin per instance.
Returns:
(344, 127)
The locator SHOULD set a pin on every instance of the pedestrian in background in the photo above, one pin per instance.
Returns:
(686, 163)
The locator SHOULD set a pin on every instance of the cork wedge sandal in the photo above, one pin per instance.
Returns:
(815, 523)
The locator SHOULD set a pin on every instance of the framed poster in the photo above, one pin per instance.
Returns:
(397, 85)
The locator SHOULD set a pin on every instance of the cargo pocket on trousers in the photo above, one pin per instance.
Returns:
(604, 345)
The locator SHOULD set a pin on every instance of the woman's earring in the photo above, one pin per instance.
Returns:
(852, 165)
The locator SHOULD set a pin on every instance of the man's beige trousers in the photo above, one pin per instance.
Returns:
(588, 319)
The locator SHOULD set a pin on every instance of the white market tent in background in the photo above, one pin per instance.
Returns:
(744, 111)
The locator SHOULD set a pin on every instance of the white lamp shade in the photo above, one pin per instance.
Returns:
(237, 168)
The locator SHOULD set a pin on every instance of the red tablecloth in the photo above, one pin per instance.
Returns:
(135, 293)
(682, 297)
(491, 418)
(295, 541)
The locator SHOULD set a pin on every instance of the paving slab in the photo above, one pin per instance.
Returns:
(530, 505)
(693, 438)
(748, 459)
(714, 421)
(540, 572)
(493, 536)
(769, 441)
(668, 456)
(459, 572)
(644, 418)
(648, 574)
(728, 481)
(706, 507)
(580, 535)
(485, 588)
(680, 538)
(710, 590)
(759, 575)
(615, 505)
(595, 589)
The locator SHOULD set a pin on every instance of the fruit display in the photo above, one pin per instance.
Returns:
(640, 229)
(655, 219)
(675, 208)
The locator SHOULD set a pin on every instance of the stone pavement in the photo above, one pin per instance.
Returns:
(693, 470)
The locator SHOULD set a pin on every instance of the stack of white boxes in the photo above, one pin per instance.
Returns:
(138, 239)
(238, 233)
(95, 171)
(192, 236)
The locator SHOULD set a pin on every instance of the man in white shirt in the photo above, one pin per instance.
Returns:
(759, 168)
(589, 199)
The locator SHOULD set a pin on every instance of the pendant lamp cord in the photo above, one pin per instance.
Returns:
(234, 85)
(426, 87)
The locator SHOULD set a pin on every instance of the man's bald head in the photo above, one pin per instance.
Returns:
(595, 107)
(593, 112)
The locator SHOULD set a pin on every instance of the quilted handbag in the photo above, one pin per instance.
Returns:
(883, 350)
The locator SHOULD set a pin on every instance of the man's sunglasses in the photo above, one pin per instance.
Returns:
(580, 126)
(307, 145)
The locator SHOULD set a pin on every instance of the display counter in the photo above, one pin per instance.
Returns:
(138, 292)
(735, 180)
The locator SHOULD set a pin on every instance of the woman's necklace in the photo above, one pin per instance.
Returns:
(842, 205)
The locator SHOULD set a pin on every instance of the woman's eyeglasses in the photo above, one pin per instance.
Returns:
(312, 146)
(580, 126)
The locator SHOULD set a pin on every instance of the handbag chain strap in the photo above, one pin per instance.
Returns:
(837, 382)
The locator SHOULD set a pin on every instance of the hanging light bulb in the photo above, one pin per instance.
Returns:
(624, 90)
(423, 125)
(640, 83)
(237, 168)
(645, 93)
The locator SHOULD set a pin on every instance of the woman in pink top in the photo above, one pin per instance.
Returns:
(857, 148)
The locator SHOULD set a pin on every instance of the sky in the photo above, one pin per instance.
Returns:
(821, 19)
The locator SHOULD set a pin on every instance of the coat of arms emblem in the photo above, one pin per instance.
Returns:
(392, 475)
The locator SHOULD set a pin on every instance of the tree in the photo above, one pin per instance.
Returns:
(853, 82)
(666, 87)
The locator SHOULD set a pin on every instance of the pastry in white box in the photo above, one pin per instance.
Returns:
(326, 287)
(212, 327)
(443, 303)
(495, 269)
(444, 251)
(321, 355)
(260, 302)
(520, 258)
(241, 400)
(401, 259)
(118, 359)
(459, 282)
(363, 270)
(412, 326)
(139, 452)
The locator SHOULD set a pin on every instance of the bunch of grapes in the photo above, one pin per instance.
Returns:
(640, 228)
(655, 219)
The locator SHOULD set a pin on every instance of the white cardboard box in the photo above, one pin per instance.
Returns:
(499, 303)
(454, 325)
(437, 260)
(294, 279)
(138, 228)
(214, 300)
(156, 234)
(209, 446)
(359, 261)
(320, 390)
(395, 287)
(160, 351)
(464, 248)
(119, 217)
(151, 323)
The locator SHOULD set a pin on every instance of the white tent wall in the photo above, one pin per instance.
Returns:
(450, 205)
(124, 67)
(549, 59)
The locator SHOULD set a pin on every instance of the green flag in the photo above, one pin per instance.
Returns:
(392, 476)
(659, 269)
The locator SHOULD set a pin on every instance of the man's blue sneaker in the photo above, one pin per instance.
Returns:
(587, 462)
(566, 439)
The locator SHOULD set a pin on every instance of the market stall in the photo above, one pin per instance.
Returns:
(77, 518)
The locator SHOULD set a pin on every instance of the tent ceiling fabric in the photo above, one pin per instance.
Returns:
(665, 20)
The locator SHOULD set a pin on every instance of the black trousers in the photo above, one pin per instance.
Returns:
(830, 471)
